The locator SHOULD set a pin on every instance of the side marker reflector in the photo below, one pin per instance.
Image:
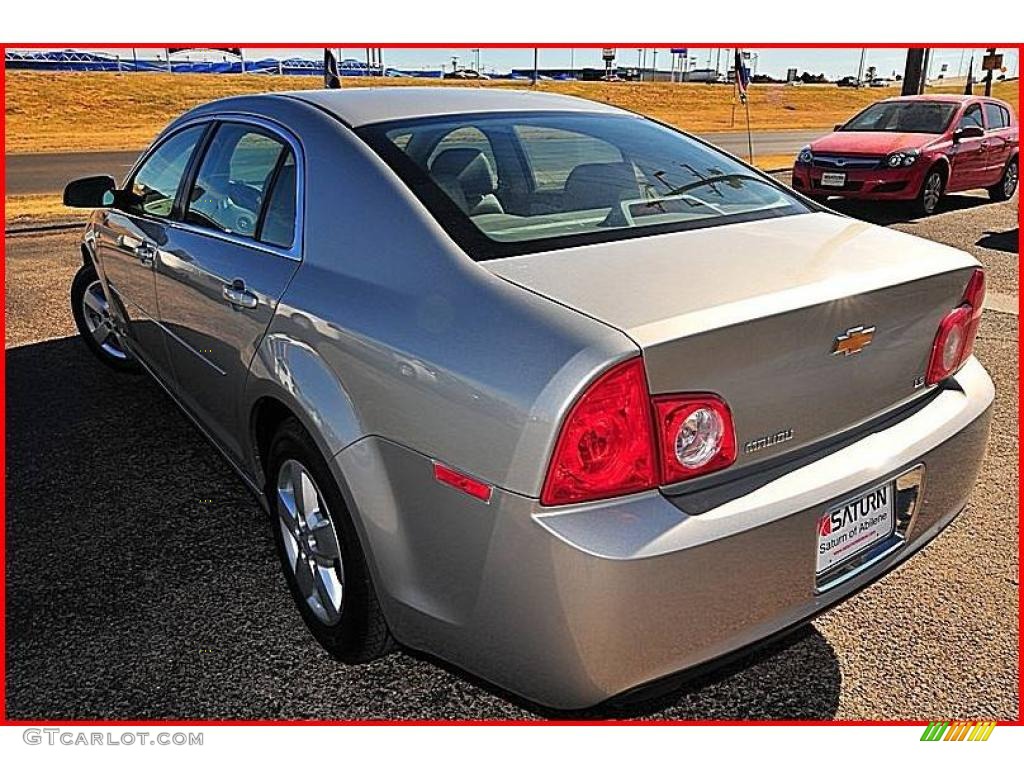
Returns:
(464, 483)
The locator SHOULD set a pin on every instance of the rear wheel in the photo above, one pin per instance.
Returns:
(322, 560)
(95, 322)
(931, 193)
(1008, 184)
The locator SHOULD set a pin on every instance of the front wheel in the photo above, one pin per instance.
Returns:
(95, 323)
(1007, 185)
(320, 554)
(931, 193)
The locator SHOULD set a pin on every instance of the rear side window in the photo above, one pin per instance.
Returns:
(279, 217)
(995, 116)
(155, 184)
(236, 178)
(972, 117)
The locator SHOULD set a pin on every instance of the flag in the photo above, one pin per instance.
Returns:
(331, 77)
(742, 76)
(969, 88)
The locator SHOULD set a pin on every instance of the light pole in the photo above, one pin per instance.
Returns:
(654, 64)
(536, 70)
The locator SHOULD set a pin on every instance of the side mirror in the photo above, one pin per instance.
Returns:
(838, 126)
(90, 192)
(968, 132)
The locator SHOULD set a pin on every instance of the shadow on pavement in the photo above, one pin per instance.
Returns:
(142, 584)
(1001, 241)
(886, 213)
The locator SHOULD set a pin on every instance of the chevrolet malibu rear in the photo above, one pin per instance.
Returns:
(576, 402)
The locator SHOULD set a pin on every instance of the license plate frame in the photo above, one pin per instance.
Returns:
(833, 180)
(854, 525)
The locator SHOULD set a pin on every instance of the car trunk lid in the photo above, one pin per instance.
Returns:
(754, 313)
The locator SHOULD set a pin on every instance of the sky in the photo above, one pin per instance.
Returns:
(833, 62)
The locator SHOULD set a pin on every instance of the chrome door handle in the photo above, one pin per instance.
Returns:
(146, 253)
(239, 298)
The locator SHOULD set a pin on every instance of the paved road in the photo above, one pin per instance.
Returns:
(142, 581)
(47, 173)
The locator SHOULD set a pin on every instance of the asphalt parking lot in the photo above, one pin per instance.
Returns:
(142, 581)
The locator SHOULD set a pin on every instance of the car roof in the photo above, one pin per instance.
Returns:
(956, 98)
(362, 106)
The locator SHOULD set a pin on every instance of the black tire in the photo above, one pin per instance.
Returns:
(360, 634)
(114, 356)
(926, 202)
(1007, 185)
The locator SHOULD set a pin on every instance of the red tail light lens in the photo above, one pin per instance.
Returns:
(606, 445)
(696, 436)
(617, 439)
(954, 341)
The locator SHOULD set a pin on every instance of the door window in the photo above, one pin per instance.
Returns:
(972, 117)
(235, 178)
(155, 184)
(995, 117)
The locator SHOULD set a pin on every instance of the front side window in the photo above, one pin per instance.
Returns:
(564, 179)
(972, 117)
(156, 182)
(237, 174)
(994, 115)
(904, 117)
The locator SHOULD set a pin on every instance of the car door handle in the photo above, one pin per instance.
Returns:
(146, 253)
(239, 298)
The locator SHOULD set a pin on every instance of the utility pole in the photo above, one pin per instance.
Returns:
(536, 70)
(654, 64)
(572, 63)
(639, 68)
(860, 68)
(913, 72)
(924, 69)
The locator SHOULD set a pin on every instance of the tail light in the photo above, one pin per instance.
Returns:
(616, 439)
(954, 341)
(695, 435)
(605, 446)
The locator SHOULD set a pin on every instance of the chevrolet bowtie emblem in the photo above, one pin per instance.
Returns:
(853, 340)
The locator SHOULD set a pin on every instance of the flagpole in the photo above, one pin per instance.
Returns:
(750, 140)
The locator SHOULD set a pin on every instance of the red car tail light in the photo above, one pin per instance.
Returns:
(695, 436)
(616, 439)
(954, 341)
(606, 446)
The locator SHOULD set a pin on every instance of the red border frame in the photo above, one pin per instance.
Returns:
(3, 387)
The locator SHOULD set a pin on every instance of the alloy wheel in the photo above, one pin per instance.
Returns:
(99, 321)
(932, 191)
(1010, 180)
(310, 542)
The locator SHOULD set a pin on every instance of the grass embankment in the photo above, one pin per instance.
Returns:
(76, 112)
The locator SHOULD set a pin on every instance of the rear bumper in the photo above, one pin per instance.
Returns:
(876, 184)
(572, 607)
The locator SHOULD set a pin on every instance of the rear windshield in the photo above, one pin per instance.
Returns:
(904, 117)
(508, 184)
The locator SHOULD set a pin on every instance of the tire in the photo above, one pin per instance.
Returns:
(930, 195)
(320, 553)
(1007, 184)
(93, 319)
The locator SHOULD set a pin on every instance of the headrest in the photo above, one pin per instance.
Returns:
(469, 166)
(599, 185)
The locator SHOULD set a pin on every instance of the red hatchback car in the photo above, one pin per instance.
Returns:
(915, 148)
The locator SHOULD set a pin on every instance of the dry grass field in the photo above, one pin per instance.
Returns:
(109, 111)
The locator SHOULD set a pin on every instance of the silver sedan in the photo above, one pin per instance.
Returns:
(544, 388)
